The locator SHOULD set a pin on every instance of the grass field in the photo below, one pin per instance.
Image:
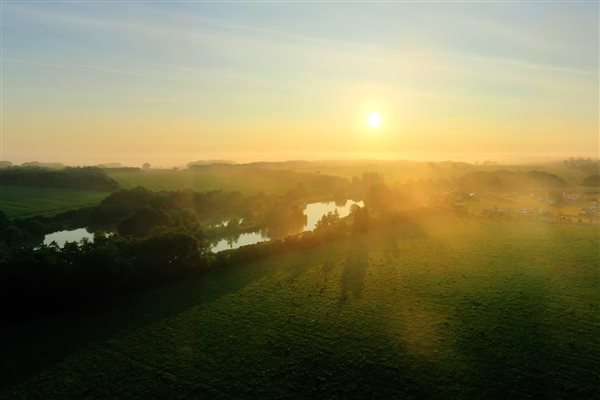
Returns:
(244, 179)
(513, 203)
(447, 308)
(24, 201)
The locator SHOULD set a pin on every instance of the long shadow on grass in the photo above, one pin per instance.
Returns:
(355, 269)
(29, 347)
(357, 255)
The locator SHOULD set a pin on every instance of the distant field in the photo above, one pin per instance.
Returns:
(245, 180)
(173, 180)
(447, 308)
(401, 171)
(320, 177)
(24, 201)
(513, 203)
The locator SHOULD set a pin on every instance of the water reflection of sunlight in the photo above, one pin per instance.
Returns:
(313, 212)
(243, 240)
(61, 237)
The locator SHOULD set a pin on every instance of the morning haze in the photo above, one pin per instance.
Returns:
(109, 80)
(299, 200)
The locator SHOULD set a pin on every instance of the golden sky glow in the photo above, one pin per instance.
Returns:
(168, 83)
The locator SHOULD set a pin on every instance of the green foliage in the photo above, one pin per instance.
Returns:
(15, 233)
(143, 221)
(24, 201)
(433, 308)
(327, 221)
(247, 179)
(283, 219)
(139, 210)
(82, 178)
(50, 279)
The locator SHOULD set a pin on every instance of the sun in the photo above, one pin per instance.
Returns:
(374, 120)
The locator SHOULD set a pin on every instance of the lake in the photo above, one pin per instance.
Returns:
(313, 211)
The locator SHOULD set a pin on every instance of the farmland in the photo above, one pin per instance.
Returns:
(29, 200)
(248, 180)
(321, 178)
(26, 201)
(443, 307)
(299, 200)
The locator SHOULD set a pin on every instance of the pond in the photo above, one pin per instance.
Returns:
(313, 212)
(61, 237)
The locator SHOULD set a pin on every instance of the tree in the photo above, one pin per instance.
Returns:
(328, 220)
(361, 219)
(143, 221)
(380, 197)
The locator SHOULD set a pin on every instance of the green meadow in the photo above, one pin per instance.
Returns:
(440, 308)
(27, 201)
(246, 179)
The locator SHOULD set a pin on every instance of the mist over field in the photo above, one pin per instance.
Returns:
(298, 200)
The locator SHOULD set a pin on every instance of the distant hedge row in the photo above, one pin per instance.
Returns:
(85, 178)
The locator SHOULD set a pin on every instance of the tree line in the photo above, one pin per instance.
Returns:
(83, 178)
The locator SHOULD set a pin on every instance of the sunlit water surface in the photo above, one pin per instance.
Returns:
(313, 211)
(61, 237)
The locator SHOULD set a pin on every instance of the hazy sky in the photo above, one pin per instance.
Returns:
(89, 82)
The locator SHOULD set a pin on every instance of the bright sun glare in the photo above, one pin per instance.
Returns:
(374, 120)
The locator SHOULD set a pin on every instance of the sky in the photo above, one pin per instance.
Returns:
(170, 82)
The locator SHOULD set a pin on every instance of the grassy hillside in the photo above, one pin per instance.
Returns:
(444, 308)
(26, 201)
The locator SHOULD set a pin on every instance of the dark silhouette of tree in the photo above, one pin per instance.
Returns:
(143, 221)
(361, 218)
(89, 178)
(380, 198)
(329, 220)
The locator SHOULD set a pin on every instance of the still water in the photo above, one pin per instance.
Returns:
(61, 237)
(313, 212)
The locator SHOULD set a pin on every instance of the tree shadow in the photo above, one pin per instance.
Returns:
(403, 228)
(355, 269)
(391, 249)
(28, 347)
